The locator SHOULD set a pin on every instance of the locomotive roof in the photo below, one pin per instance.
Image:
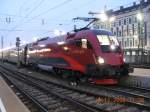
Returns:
(64, 37)
(102, 32)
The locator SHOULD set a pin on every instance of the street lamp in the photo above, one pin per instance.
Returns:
(112, 19)
(103, 16)
(140, 16)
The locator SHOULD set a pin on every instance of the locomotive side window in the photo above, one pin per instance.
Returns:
(78, 43)
(83, 43)
(89, 45)
(86, 44)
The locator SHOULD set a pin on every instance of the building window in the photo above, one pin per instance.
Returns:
(129, 20)
(119, 22)
(114, 24)
(133, 28)
(130, 31)
(111, 29)
(135, 31)
(125, 32)
(130, 42)
(125, 22)
(119, 33)
(136, 42)
(127, 42)
(133, 41)
(135, 20)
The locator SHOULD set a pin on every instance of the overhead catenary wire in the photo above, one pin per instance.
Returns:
(21, 20)
(52, 8)
(33, 9)
(37, 17)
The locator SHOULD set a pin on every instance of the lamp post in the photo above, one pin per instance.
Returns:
(18, 46)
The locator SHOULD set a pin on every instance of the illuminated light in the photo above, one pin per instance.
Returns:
(63, 33)
(24, 42)
(13, 54)
(31, 52)
(61, 43)
(65, 48)
(84, 40)
(103, 17)
(42, 45)
(124, 60)
(28, 56)
(35, 38)
(46, 50)
(40, 51)
(112, 19)
(100, 60)
(112, 47)
(57, 32)
(135, 36)
(139, 16)
(7, 48)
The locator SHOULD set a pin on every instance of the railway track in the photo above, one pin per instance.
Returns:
(98, 99)
(30, 103)
(48, 100)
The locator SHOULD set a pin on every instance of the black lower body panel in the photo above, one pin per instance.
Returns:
(104, 71)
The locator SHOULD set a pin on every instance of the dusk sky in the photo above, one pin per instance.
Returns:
(39, 18)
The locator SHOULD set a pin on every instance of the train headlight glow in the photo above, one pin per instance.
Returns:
(100, 60)
(112, 47)
(124, 60)
(65, 48)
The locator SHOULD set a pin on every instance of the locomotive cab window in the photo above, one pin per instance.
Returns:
(108, 43)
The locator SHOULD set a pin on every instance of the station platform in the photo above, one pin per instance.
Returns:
(140, 78)
(9, 102)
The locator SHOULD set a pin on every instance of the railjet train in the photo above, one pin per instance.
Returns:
(94, 55)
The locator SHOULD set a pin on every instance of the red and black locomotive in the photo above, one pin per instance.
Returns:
(91, 54)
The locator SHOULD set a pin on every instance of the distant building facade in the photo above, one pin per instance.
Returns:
(133, 32)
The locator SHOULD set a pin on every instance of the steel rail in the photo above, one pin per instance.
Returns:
(84, 106)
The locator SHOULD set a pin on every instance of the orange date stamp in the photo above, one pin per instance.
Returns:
(120, 99)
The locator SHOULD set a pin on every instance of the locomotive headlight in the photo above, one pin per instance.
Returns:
(112, 47)
(100, 60)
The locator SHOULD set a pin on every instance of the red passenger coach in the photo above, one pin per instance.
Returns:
(87, 54)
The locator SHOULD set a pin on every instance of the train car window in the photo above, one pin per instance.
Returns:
(89, 45)
(83, 43)
(86, 44)
(78, 43)
(71, 42)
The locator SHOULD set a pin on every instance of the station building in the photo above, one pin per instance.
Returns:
(132, 28)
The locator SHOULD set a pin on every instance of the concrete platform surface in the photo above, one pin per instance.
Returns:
(9, 102)
(141, 72)
(140, 78)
